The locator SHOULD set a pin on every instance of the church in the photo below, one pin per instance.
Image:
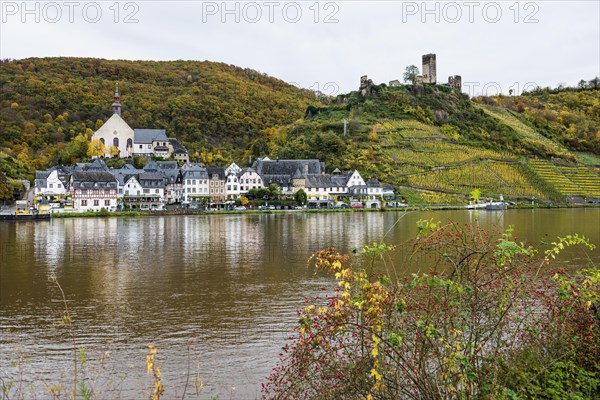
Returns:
(115, 133)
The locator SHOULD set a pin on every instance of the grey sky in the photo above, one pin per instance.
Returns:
(503, 44)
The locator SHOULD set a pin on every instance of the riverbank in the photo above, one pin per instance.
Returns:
(441, 207)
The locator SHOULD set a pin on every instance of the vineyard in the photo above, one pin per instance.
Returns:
(426, 158)
(408, 129)
(568, 181)
(492, 178)
(528, 135)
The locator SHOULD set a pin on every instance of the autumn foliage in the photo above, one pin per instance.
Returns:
(489, 319)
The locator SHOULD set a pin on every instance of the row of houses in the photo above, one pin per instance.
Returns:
(95, 186)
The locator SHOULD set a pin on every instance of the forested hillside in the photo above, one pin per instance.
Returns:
(46, 103)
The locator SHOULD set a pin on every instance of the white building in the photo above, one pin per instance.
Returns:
(232, 186)
(93, 191)
(118, 138)
(195, 183)
(249, 179)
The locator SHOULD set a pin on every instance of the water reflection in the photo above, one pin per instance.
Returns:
(217, 291)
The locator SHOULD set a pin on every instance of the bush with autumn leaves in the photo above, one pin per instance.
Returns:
(490, 319)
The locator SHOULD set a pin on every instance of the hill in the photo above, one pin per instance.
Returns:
(434, 144)
(47, 102)
(437, 145)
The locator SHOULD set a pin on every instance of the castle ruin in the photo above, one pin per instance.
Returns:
(429, 76)
(429, 70)
(455, 82)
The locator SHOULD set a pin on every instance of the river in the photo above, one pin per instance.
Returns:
(216, 294)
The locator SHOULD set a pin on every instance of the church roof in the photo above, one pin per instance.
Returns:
(114, 123)
(147, 136)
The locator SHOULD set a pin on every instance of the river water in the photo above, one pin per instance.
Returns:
(216, 294)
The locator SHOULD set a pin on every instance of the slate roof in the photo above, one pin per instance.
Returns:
(96, 165)
(42, 174)
(124, 173)
(245, 170)
(165, 165)
(287, 167)
(151, 166)
(195, 172)
(220, 171)
(90, 179)
(147, 136)
(280, 180)
(340, 179)
(318, 181)
(373, 183)
(151, 179)
(178, 148)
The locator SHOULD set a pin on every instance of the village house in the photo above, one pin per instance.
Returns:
(163, 182)
(145, 191)
(232, 188)
(217, 180)
(195, 183)
(93, 191)
(249, 179)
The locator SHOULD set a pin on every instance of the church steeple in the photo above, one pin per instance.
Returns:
(116, 105)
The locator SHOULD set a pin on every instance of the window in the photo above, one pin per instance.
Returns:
(156, 191)
(84, 202)
(129, 143)
(96, 203)
(102, 141)
(149, 146)
(116, 142)
(121, 191)
(107, 202)
(58, 185)
(146, 191)
(140, 146)
(228, 187)
(138, 192)
(50, 185)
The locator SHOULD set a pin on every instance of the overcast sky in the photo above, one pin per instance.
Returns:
(325, 45)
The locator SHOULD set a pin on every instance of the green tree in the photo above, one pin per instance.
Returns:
(300, 197)
(410, 74)
(274, 191)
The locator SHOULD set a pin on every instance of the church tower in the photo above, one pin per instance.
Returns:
(116, 105)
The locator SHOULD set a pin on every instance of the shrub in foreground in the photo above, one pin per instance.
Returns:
(489, 319)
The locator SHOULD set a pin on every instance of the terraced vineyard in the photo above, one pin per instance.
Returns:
(437, 153)
(529, 135)
(408, 129)
(492, 178)
(568, 181)
(583, 177)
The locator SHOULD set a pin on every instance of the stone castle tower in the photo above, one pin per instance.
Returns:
(429, 70)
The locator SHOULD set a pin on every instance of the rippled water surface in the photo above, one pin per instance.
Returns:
(216, 294)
